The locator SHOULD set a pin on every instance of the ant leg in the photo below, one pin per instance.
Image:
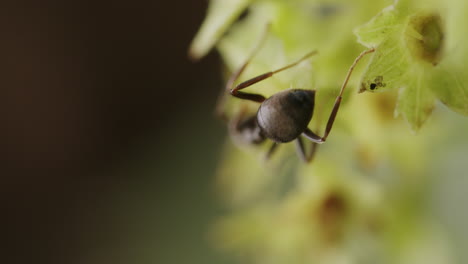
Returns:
(313, 137)
(308, 133)
(256, 97)
(337, 104)
(271, 150)
(236, 120)
(233, 78)
(301, 150)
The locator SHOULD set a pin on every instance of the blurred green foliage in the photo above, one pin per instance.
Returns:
(364, 198)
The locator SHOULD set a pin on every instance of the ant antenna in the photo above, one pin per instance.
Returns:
(338, 99)
(352, 68)
(254, 51)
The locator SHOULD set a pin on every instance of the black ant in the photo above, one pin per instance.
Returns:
(284, 116)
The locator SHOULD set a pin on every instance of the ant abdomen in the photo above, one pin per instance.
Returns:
(284, 116)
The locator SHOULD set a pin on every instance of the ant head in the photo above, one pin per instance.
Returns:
(285, 115)
(246, 130)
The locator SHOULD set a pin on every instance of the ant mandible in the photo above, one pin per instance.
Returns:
(284, 116)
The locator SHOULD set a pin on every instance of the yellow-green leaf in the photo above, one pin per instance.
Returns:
(451, 87)
(387, 68)
(378, 28)
(221, 14)
(416, 101)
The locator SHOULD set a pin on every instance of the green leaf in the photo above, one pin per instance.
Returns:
(221, 14)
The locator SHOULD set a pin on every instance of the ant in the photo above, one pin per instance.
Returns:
(284, 116)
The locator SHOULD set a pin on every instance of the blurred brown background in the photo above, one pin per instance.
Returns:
(108, 142)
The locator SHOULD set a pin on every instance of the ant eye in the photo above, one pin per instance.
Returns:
(373, 86)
